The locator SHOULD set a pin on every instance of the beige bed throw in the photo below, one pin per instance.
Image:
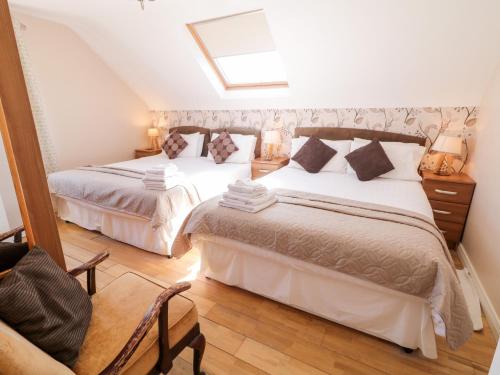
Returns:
(122, 190)
(395, 248)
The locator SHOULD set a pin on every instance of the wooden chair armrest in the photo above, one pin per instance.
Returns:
(89, 267)
(16, 232)
(143, 328)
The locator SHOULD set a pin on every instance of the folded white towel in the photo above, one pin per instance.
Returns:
(247, 208)
(153, 178)
(157, 188)
(247, 187)
(246, 182)
(243, 198)
(155, 183)
(245, 192)
(168, 169)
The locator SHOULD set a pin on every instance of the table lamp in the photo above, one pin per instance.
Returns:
(153, 134)
(271, 138)
(448, 145)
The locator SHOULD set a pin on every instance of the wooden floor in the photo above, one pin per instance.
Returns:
(249, 334)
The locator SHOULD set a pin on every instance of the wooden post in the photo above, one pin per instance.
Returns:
(17, 127)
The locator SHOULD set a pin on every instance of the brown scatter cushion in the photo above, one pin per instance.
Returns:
(11, 253)
(222, 147)
(369, 161)
(174, 145)
(46, 305)
(314, 155)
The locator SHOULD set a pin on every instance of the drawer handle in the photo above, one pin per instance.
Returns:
(263, 170)
(443, 231)
(446, 192)
(442, 212)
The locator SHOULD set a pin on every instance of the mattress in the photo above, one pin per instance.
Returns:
(408, 195)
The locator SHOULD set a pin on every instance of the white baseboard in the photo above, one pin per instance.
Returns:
(489, 311)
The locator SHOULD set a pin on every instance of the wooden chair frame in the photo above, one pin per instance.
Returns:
(158, 311)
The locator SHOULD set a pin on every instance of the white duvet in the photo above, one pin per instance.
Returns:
(408, 195)
(208, 178)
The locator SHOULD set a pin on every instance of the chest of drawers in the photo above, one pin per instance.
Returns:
(450, 198)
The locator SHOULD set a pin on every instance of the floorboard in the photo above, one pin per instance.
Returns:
(249, 334)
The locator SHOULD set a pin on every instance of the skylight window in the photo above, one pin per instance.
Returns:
(241, 51)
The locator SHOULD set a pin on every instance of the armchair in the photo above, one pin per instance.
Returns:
(137, 327)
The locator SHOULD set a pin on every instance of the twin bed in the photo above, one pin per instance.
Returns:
(363, 254)
(113, 200)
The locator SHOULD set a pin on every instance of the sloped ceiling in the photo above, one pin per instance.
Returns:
(349, 53)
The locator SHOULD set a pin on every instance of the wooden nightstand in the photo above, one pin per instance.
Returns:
(142, 152)
(450, 198)
(261, 167)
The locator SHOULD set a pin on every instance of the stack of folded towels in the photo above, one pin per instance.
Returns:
(248, 196)
(156, 177)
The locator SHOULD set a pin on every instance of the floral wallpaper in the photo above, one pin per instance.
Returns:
(427, 121)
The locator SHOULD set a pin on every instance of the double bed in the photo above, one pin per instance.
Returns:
(112, 199)
(375, 302)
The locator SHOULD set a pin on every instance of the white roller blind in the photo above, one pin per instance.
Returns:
(236, 35)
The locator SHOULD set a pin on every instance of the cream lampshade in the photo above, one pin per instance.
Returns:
(153, 134)
(448, 145)
(271, 138)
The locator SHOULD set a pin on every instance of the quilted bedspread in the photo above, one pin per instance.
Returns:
(395, 248)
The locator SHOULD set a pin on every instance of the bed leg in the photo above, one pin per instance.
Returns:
(407, 350)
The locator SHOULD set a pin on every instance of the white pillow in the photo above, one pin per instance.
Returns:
(246, 148)
(193, 149)
(405, 157)
(336, 164)
(201, 140)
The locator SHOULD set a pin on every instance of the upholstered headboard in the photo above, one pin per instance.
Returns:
(244, 131)
(351, 133)
(195, 129)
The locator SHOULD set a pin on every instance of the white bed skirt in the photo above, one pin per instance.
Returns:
(119, 226)
(388, 314)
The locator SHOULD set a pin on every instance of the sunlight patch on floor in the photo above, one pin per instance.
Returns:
(193, 270)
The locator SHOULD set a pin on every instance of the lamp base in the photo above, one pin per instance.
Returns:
(154, 145)
(269, 152)
(445, 168)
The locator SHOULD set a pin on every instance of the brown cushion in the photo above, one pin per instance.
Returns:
(118, 309)
(11, 253)
(174, 145)
(314, 155)
(369, 161)
(222, 147)
(46, 305)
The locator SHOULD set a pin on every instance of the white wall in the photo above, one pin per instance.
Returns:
(482, 233)
(4, 222)
(10, 216)
(93, 116)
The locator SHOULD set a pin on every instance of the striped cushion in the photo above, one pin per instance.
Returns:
(46, 305)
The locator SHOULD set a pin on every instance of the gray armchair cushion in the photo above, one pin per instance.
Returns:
(46, 305)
